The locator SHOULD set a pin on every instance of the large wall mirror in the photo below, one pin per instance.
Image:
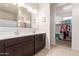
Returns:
(8, 15)
(12, 15)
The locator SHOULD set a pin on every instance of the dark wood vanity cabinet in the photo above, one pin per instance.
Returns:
(22, 46)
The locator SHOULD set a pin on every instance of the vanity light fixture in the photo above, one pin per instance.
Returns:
(30, 9)
(26, 21)
(35, 11)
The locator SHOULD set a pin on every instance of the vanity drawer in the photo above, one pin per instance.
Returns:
(28, 38)
(13, 41)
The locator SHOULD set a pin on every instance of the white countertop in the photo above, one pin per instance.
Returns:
(4, 37)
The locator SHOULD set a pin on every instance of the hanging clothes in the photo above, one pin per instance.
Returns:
(63, 29)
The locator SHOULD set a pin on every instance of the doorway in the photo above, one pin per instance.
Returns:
(63, 25)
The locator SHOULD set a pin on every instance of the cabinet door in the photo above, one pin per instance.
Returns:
(29, 48)
(39, 42)
(43, 37)
(16, 50)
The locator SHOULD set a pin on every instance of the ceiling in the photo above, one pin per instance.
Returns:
(64, 9)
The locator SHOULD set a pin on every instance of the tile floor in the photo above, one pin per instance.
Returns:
(58, 51)
(64, 43)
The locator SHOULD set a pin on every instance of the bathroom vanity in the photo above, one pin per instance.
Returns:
(18, 31)
(22, 46)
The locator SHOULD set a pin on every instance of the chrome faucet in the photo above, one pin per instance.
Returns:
(17, 32)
